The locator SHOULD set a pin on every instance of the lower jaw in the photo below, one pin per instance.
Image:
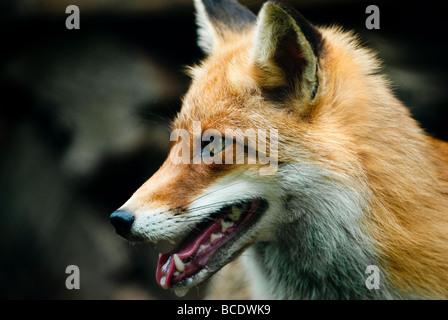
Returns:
(182, 287)
(223, 255)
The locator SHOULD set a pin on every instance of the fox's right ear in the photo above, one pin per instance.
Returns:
(219, 20)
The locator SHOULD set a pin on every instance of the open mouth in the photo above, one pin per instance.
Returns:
(217, 232)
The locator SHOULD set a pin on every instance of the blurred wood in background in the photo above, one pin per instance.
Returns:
(84, 118)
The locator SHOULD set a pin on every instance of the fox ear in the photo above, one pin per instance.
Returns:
(219, 19)
(286, 50)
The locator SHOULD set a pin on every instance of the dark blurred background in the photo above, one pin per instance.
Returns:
(84, 118)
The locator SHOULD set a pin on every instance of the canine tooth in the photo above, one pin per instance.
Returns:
(226, 225)
(236, 213)
(163, 282)
(178, 263)
(215, 236)
(203, 246)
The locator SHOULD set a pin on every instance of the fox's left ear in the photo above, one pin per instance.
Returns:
(286, 50)
(219, 20)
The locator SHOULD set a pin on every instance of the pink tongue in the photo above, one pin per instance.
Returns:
(166, 267)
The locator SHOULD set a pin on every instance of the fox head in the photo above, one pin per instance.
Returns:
(314, 102)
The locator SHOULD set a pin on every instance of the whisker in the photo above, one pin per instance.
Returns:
(295, 168)
(206, 215)
(213, 191)
(207, 206)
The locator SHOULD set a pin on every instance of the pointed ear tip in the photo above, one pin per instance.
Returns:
(269, 5)
(272, 8)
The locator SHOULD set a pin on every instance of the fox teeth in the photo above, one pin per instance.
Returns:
(215, 236)
(226, 225)
(163, 282)
(236, 213)
(203, 246)
(181, 291)
(178, 263)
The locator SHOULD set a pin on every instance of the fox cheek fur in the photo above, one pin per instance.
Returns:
(358, 181)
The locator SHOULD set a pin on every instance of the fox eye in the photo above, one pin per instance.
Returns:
(213, 147)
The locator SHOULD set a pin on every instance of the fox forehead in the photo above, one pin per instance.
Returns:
(222, 88)
(224, 95)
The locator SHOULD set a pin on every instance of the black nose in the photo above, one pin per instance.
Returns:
(122, 221)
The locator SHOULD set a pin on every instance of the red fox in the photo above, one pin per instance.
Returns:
(356, 182)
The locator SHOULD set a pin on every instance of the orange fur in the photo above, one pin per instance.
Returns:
(354, 128)
(360, 131)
